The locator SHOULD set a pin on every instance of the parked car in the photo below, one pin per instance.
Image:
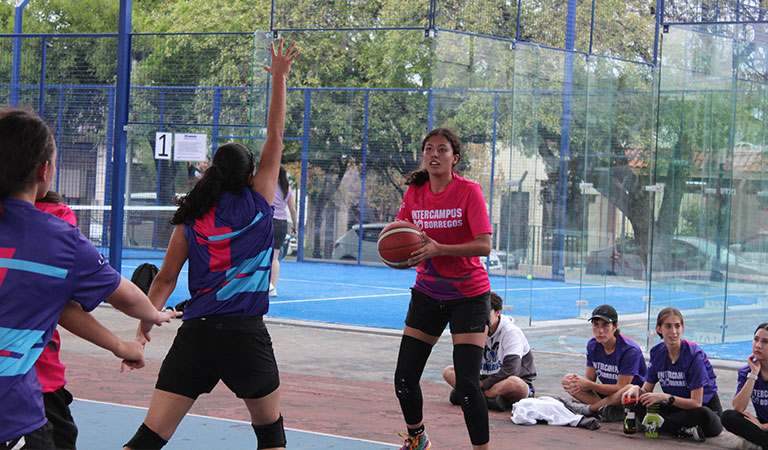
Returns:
(345, 248)
(754, 247)
(680, 257)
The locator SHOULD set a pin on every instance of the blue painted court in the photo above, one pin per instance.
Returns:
(378, 296)
(102, 425)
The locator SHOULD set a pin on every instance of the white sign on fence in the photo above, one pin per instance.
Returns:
(190, 147)
(163, 145)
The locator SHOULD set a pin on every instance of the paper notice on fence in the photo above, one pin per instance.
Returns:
(190, 147)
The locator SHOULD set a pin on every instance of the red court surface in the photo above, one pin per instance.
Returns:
(339, 383)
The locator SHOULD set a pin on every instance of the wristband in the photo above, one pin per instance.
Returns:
(753, 376)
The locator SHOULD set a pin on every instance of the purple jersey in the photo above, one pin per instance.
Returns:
(759, 393)
(626, 359)
(44, 263)
(230, 257)
(691, 371)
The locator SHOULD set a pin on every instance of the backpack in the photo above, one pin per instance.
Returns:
(143, 276)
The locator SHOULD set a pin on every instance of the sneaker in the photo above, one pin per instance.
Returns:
(572, 406)
(419, 442)
(610, 413)
(498, 404)
(454, 398)
(746, 445)
(695, 434)
(272, 290)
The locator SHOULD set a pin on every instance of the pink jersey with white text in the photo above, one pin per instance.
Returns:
(454, 216)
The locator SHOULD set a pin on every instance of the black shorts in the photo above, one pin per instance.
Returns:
(236, 350)
(466, 315)
(59, 415)
(280, 230)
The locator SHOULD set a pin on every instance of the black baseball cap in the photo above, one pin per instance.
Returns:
(605, 312)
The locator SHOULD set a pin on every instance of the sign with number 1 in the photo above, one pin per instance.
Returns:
(163, 145)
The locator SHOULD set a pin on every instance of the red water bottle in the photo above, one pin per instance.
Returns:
(630, 404)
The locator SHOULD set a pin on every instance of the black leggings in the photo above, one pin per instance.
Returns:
(738, 424)
(706, 416)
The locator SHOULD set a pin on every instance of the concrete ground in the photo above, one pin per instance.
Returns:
(338, 380)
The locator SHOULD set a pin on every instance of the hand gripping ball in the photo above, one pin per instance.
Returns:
(396, 243)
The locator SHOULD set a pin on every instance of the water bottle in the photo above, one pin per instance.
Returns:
(652, 422)
(629, 415)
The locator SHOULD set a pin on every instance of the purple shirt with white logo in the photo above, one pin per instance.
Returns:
(626, 359)
(230, 257)
(691, 371)
(44, 263)
(759, 393)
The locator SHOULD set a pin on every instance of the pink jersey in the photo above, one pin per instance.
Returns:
(50, 370)
(454, 216)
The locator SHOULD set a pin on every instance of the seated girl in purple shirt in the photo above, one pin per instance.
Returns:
(752, 385)
(689, 402)
(613, 361)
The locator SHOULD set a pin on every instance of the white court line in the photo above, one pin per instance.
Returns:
(343, 284)
(560, 288)
(243, 422)
(339, 298)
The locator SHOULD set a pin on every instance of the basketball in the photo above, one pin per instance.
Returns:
(396, 243)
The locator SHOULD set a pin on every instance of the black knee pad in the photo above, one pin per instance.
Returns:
(272, 435)
(410, 365)
(145, 439)
(467, 360)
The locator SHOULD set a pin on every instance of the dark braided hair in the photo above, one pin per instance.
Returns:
(229, 171)
(419, 177)
(282, 181)
(26, 143)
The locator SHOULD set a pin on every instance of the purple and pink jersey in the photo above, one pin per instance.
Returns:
(691, 371)
(44, 263)
(626, 359)
(454, 216)
(759, 395)
(230, 257)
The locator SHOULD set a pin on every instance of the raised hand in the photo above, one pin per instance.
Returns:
(281, 62)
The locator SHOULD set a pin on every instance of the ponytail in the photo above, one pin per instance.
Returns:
(201, 198)
(230, 170)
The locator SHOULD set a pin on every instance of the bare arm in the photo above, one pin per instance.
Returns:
(292, 210)
(84, 325)
(744, 396)
(165, 281)
(606, 389)
(265, 180)
(129, 299)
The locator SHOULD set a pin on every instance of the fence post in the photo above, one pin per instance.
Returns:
(558, 269)
(18, 18)
(361, 219)
(120, 139)
(43, 56)
(304, 170)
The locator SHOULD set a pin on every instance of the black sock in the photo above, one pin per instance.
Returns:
(416, 431)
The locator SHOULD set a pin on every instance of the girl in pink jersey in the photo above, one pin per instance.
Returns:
(452, 286)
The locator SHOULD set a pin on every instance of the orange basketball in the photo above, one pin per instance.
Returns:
(396, 243)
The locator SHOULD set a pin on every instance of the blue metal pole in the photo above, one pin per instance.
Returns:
(216, 119)
(18, 18)
(304, 169)
(361, 219)
(43, 57)
(659, 14)
(493, 162)
(159, 171)
(558, 270)
(110, 165)
(430, 109)
(120, 139)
